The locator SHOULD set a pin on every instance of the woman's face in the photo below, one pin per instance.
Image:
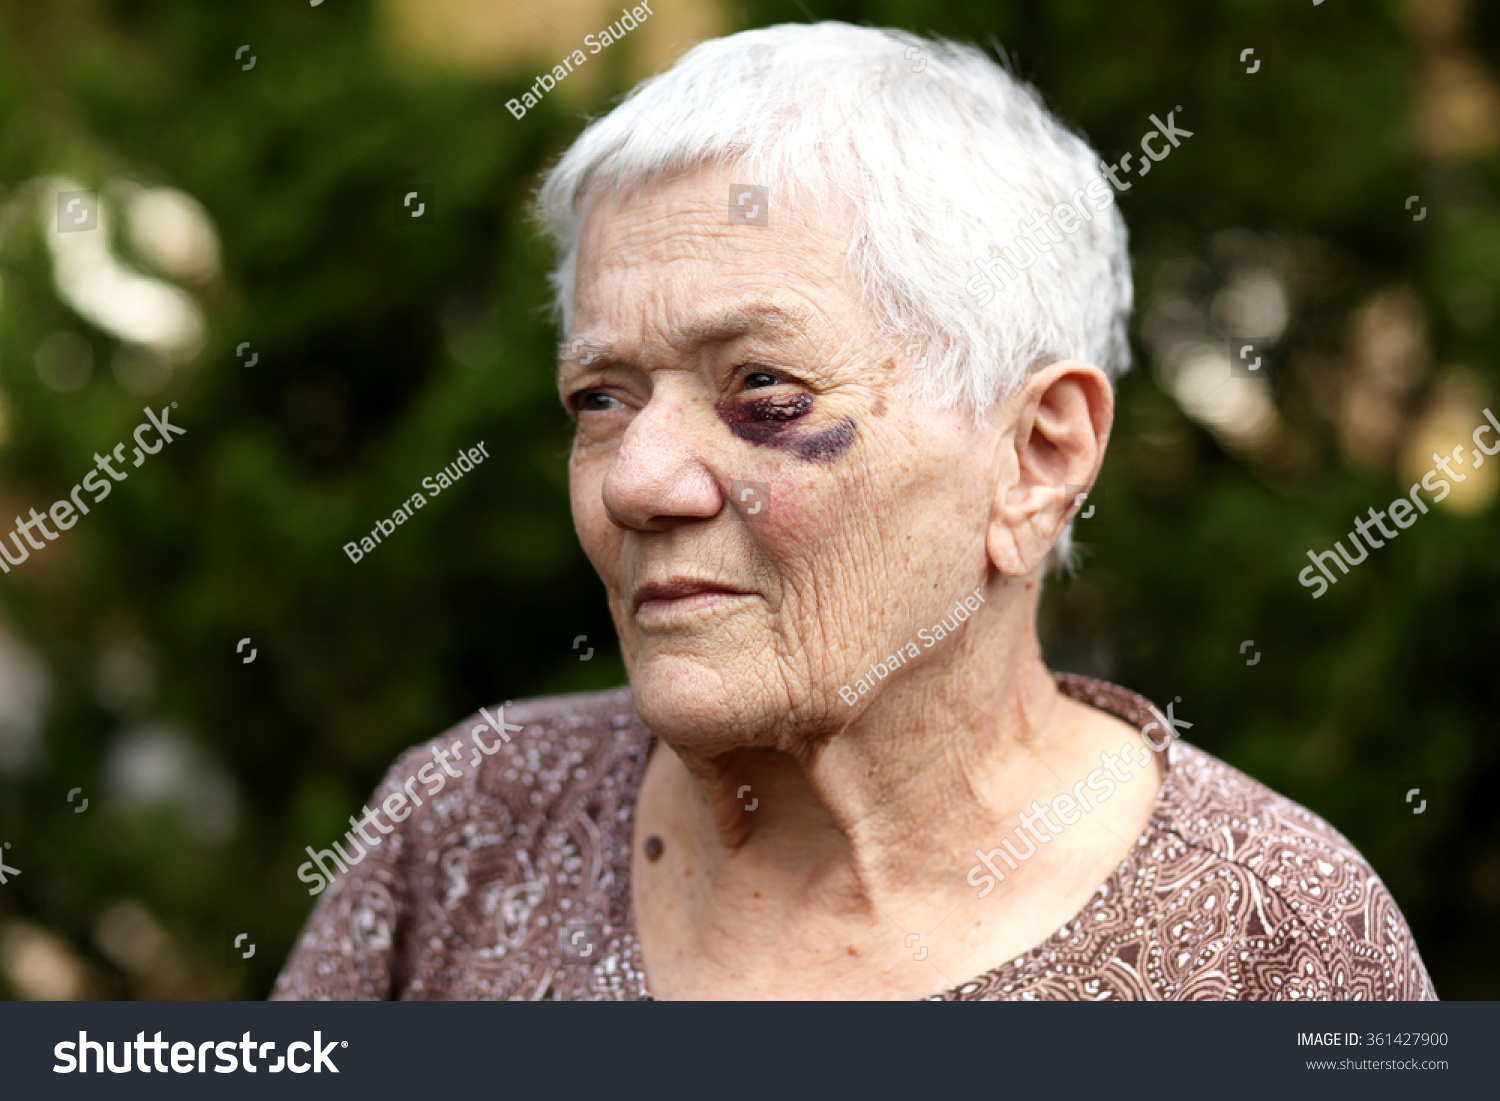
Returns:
(770, 508)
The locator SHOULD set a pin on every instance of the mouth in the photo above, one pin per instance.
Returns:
(681, 595)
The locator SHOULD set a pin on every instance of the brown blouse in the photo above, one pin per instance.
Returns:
(514, 882)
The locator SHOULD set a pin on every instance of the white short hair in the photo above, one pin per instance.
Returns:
(942, 155)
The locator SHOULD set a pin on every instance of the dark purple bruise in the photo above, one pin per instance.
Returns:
(767, 422)
(827, 445)
(764, 420)
(770, 412)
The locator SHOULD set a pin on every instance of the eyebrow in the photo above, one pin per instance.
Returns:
(729, 323)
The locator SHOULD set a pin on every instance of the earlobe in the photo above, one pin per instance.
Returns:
(1003, 548)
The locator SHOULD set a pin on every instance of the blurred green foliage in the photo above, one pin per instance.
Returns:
(383, 349)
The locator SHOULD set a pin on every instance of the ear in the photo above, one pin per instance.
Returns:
(1059, 424)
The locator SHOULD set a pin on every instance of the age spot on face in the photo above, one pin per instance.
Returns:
(769, 422)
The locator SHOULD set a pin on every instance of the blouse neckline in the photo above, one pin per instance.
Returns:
(1112, 699)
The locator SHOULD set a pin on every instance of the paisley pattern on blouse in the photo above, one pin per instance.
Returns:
(514, 883)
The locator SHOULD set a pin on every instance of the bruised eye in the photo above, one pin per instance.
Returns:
(759, 380)
(596, 401)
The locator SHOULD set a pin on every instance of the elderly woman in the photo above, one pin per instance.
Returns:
(821, 467)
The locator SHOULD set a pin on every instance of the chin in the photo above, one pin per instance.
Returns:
(688, 701)
(692, 702)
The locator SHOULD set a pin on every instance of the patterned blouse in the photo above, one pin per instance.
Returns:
(514, 882)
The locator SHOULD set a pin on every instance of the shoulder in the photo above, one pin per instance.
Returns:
(518, 769)
(1304, 916)
(531, 753)
(514, 813)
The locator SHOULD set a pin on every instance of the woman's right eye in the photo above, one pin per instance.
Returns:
(596, 401)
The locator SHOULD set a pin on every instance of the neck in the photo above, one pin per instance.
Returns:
(944, 758)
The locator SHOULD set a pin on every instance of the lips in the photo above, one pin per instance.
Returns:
(682, 592)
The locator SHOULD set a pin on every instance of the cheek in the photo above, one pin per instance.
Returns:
(596, 534)
(827, 575)
(847, 532)
(806, 523)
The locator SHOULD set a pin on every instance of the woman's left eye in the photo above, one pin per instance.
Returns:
(759, 380)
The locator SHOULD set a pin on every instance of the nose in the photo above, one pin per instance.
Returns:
(658, 478)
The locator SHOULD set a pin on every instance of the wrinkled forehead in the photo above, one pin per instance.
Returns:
(703, 325)
(679, 258)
